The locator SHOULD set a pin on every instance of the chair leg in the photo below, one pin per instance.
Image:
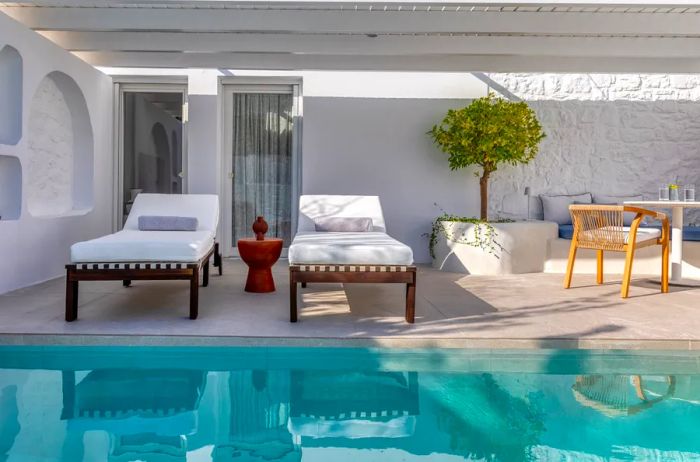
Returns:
(71, 299)
(627, 276)
(664, 267)
(205, 275)
(570, 265)
(411, 302)
(599, 273)
(292, 297)
(126, 282)
(194, 293)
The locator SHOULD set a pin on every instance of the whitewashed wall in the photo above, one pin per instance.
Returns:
(607, 134)
(34, 248)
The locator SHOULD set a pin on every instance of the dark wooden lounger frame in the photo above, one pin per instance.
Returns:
(353, 274)
(129, 271)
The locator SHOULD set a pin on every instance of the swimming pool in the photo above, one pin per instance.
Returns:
(322, 404)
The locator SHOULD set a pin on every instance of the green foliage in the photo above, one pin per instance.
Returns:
(484, 233)
(488, 132)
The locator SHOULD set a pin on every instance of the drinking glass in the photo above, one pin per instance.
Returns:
(674, 193)
(689, 193)
(663, 192)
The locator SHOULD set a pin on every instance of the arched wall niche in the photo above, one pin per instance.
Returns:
(10, 188)
(60, 149)
(10, 95)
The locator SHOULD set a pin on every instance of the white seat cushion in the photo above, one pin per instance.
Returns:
(643, 234)
(368, 248)
(144, 246)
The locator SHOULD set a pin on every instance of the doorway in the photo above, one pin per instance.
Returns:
(151, 142)
(260, 158)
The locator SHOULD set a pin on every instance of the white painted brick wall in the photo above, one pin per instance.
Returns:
(607, 134)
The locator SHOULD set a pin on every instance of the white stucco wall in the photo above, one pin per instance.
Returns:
(34, 249)
(606, 134)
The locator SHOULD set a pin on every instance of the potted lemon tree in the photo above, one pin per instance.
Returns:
(486, 134)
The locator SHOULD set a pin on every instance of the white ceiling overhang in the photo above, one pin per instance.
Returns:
(418, 36)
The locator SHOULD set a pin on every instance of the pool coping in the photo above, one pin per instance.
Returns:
(35, 339)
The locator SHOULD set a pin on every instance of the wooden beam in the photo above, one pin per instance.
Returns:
(381, 45)
(361, 21)
(427, 63)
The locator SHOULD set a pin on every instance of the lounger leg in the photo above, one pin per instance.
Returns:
(217, 259)
(411, 301)
(126, 282)
(205, 277)
(292, 297)
(71, 298)
(599, 273)
(194, 293)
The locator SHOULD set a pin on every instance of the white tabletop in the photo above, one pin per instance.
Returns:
(669, 204)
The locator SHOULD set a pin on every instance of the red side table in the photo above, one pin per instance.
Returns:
(260, 256)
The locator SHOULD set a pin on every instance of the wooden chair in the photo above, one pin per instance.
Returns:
(601, 228)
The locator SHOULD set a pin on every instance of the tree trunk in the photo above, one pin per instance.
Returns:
(484, 188)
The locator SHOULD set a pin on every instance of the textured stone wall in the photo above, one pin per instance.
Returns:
(51, 148)
(607, 134)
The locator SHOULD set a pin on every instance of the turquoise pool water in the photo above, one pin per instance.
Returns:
(289, 404)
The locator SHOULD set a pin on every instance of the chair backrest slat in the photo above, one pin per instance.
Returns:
(599, 226)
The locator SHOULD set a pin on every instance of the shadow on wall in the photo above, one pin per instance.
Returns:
(616, 148)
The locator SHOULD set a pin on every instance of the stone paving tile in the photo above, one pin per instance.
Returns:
(453, 310)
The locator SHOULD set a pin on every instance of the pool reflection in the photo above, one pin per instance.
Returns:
(167, 415)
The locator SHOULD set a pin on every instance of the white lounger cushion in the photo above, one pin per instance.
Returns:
(368, 248)
(144, 246)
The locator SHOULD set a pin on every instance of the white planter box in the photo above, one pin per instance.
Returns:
(521, 247)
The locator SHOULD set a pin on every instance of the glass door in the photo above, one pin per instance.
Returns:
(260, 152)
(151, 144)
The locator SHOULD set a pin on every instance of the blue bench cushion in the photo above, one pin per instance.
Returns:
(690, 233)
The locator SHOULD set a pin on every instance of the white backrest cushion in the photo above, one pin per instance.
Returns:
(324, 206)
(204, 207)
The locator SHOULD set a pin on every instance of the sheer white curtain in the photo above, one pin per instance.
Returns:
(262, 163)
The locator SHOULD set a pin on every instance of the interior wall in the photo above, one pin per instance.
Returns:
(34, 248)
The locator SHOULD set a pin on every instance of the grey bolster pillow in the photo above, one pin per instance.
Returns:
(167, 223)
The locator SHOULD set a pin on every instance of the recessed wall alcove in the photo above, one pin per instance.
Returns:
(10, 188)
(60, 149)
(10, 95)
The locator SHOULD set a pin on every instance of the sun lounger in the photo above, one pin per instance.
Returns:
(132, 254)
(367, 256)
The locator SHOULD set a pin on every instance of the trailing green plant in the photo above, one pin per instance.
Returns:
(488, 132)
(484, 233)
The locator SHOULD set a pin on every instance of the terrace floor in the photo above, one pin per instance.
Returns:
(453, 310)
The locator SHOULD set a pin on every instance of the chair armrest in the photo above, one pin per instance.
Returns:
(651, 213)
